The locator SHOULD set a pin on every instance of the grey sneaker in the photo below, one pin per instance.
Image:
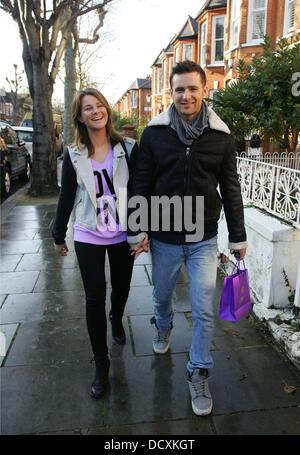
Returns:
(161, 338)
(199, 390)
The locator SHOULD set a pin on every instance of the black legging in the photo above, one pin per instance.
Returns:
(91, 259)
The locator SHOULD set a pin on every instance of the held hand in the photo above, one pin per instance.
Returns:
(239, 254)
(61, 249)
(138, 248)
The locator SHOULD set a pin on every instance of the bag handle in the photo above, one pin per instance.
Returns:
(237, 266)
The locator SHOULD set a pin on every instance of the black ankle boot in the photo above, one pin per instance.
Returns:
(118, 331)
(101, 377)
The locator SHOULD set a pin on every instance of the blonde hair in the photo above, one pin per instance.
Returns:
(81, 132)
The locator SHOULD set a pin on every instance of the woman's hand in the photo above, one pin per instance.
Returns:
(137, 248)
(61, 249)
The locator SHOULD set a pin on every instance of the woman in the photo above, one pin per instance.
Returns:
(95, 174)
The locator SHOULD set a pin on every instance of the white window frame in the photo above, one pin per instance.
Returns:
(158, 81)
(134, 99)
(203, 45)
(165, 83)
(235, 20)
(171, 65)
(286, 28)
(186, 46)
(213, 41)
(177, 54)
(250, 40)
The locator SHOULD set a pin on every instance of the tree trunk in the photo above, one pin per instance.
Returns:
(44, 172)
(69, 90)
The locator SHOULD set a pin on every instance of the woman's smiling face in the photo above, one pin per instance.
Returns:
(93, 113)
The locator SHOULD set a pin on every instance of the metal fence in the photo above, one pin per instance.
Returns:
(271, 187)
(290, 160)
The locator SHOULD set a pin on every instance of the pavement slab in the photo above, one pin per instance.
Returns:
(46, 369)
(281, 421)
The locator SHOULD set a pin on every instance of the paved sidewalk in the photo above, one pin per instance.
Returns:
(46, 370)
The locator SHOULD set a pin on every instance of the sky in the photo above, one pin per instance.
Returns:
(134, 33)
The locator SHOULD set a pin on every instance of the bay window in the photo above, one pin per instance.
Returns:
(218, 30)
(203, 44)
(289, 16)
(187, 52)
(257, 15)
(235, 11)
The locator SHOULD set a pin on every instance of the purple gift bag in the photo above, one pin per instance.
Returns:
(235, 300)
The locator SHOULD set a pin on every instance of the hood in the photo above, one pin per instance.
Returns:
(214, 120)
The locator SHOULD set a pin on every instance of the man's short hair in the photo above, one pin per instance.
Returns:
(187, 66)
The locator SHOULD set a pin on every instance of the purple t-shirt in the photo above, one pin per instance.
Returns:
(108, 227)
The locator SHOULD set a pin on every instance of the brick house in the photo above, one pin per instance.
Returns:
(136, 101)
(6, 108)
(181, 47)
(247, 21)
(223, 32)
(156, 92)
(211, 25)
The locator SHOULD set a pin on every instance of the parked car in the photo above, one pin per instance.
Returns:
(15, 159)
(27, 123)
(25, 133)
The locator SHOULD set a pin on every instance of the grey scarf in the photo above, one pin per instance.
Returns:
(187, 132)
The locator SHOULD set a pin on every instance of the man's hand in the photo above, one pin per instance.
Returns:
(242, 253)
(138, 248)
(61, 249)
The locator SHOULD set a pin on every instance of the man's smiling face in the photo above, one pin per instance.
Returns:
(188, 92)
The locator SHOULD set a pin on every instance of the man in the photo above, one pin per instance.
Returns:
(188, 151)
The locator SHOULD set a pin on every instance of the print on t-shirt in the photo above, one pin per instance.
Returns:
(107, 216)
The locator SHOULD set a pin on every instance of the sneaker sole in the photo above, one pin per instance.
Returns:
(161, 351)
(201, 412)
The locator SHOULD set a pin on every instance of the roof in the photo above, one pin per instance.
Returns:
(140, 83)
(189, 29)
(170, 48)
(136, 85)
(157, 61)
(211, 4)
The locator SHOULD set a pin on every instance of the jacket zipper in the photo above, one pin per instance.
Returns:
(186, 168)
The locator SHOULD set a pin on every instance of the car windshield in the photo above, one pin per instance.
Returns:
(25, 136)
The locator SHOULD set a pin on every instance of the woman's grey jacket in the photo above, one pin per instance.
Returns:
(78, 187)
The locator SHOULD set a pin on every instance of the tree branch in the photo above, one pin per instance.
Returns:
(60, 50)
(101, 15)
(7, 6)
(35, 7)
(278, 138)
(98, 6)
(57, 11)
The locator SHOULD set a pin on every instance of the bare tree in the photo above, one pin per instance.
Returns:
(77, 71)
(44, 33)
(15, 85)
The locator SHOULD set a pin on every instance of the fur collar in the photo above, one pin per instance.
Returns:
(214, 120)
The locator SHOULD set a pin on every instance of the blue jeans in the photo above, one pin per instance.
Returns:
(201, 264)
